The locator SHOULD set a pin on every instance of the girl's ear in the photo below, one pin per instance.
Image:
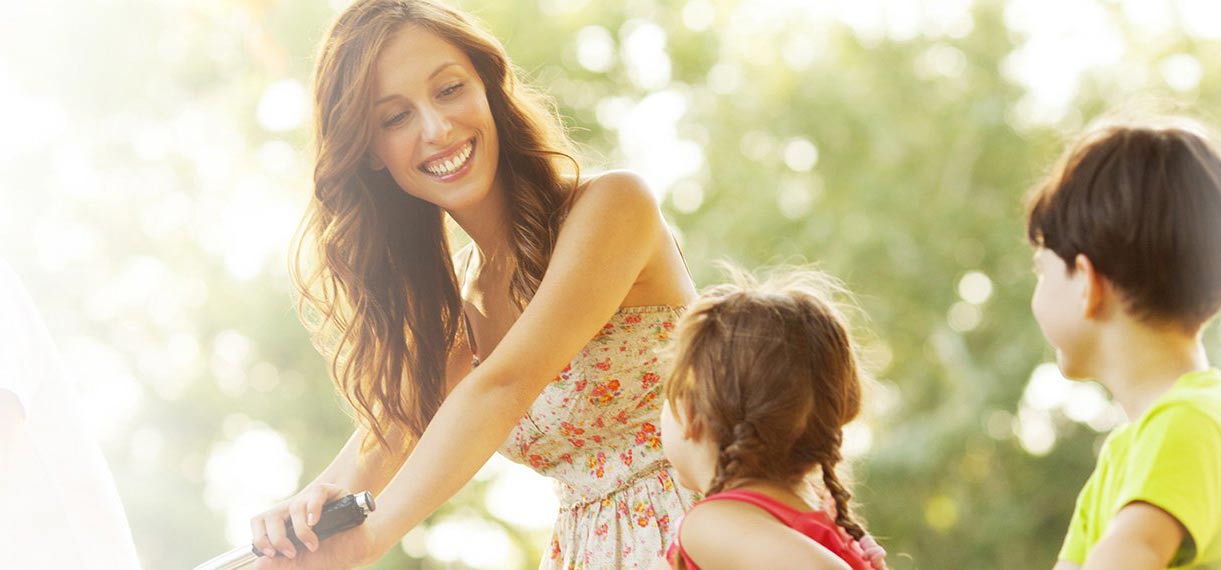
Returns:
(695, 430)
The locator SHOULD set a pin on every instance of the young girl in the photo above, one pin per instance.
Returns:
(764, 379)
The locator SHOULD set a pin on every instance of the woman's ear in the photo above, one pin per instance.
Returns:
(373, 161)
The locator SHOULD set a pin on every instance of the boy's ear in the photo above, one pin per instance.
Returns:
(1094, 289)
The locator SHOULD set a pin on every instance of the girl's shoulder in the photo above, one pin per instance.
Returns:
(735, 534)
(740, 507)
(716, 528)
(714, 523)
(728, 503)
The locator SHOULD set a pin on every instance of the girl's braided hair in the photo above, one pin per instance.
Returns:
(768, 371)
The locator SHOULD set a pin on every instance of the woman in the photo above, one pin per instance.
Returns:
(419, 116)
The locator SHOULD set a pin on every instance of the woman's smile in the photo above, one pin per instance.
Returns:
(450, 164)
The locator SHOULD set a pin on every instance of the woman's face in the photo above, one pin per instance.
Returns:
(432, 127)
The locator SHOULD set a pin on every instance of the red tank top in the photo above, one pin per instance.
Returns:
(816, 525)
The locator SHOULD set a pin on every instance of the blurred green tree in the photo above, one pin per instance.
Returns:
(163, 161)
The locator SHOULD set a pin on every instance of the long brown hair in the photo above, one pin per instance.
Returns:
(768, 371)
(372, 263)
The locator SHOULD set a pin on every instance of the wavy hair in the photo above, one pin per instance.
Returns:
(372, 264)
(768, 371)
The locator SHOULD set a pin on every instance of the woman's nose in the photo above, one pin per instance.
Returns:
(437, 126)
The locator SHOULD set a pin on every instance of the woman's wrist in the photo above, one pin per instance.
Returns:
(380, 542)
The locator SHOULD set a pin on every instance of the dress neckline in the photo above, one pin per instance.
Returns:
(730, 494)
(630, 309)
(625, 310)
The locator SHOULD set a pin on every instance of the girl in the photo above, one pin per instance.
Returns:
(570, 284)
(763, 381)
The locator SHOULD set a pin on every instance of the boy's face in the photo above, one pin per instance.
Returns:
(1058, 305)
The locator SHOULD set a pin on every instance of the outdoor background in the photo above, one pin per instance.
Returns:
(154, 164)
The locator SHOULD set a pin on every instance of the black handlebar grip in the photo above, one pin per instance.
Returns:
(337, 516)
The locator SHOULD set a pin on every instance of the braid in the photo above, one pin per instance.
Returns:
(768, 372)
(738, 459)
(840, 493)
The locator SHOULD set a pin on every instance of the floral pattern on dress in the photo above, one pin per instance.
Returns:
(595, 430)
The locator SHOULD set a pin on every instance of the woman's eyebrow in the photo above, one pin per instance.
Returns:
(434, 73)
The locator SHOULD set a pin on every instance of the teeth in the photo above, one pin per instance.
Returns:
(447, 166)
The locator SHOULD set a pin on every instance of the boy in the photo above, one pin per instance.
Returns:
(1127, 232)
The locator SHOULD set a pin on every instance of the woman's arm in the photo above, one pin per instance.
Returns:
(351, 471)
(368, 471)
(372, 470)
(606, 241)
(725, 535)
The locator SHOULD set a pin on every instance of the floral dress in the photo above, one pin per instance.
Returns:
(595, 430)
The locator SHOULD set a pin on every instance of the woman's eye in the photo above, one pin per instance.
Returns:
(392, 121)
(451, 90)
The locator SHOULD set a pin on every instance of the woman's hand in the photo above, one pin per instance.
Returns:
(269, 530)
(348, 549)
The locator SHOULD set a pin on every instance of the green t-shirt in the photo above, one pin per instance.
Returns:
(1170, 457)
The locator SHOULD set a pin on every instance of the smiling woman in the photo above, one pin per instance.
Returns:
(569, 286)
(431, 103)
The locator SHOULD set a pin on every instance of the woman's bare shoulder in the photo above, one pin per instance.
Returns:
(622, 194)
(621, 183)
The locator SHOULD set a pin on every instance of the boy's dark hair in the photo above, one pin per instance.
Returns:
(1143, 203)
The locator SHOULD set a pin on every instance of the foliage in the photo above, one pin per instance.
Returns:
(161, 166)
